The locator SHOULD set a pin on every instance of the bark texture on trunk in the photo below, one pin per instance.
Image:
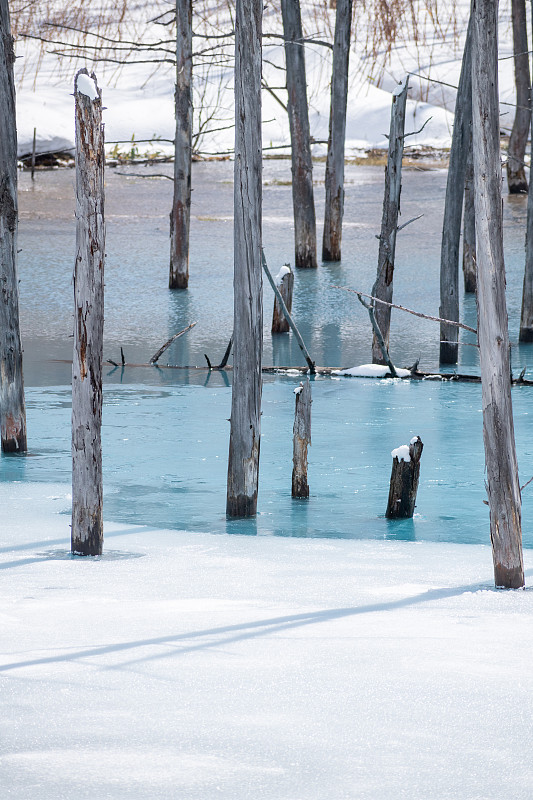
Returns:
(526, 316)
(453, 210)
(516, 175)
(469, 225)
(301, 439)
(498, 431)
(181, 206)
(302, 164)
(87, 523)
(243, 466)
(12, 405)
(404, 480)
(334, 211)
(382, 288)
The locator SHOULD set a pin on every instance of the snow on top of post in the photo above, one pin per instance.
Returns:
(299, 389)
(414, 440)
(86, 85)
(401, 453)
(285, 270)
(398, 90)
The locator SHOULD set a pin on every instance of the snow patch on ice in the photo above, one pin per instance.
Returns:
(371, 371)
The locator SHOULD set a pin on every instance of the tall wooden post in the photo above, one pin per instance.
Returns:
(469, 225)
(334, 211)
(12, 405)
(526, 316)
(301, 439)
(285, 283)
(87, 524)
(404, 480)
(181, 207)
(453, 209)
(243, 466)
(389, 223)
(498, 430)
(516, 174)
(302, 164)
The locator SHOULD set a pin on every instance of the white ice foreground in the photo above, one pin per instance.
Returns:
(187, 666)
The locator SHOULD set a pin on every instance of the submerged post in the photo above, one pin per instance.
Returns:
(404, 479)
(285, 282)
(301, 439)
(87, 524)
(243, 465)
(12, 405)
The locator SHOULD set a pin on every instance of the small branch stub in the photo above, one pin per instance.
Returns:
(301, 439)
(404, 480)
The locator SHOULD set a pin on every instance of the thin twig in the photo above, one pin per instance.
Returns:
(379, 337)
(405, 224)
(161, 350)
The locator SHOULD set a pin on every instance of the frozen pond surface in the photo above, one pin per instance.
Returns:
(166, 433)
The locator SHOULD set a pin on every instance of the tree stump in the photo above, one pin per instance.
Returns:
(301, 439)
(285, 283)
(404, 480)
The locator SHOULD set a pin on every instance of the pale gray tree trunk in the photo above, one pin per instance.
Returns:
(389, 223)
(334, 211)
(453, 209)
(302, 164)
(181, 207)
(243, 466)
(469, 225)
(87, 524)
(12, 406)
(516, 175)
(498, 431)
(301, 438)
(526, 317)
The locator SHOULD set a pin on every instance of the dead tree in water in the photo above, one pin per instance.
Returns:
(516, 175)
(404, 480)
(498, 431)
(285, 283)
(469, 225)
(382, 288)
(453, 209)
(334, 211)
(87, 523)
(526, 317)
(180, 215)
(302, 164)
(301, 439)
(243, 466)
(12, 405)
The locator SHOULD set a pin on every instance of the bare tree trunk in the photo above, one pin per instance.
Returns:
(301, 438)
(279, 322)
(302, 164)
(404, 480)
(469, 225)
(498, 430)
(389, 223)
(516, 175)
(526, 317)
(87, 524)
(243, 466)
(181, 207)
(334, 211)
(453, 210)
(12, 406)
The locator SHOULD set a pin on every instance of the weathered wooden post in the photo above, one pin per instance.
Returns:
(301, 439)
(180, 215)
(243, 466)
(516, 174)
(404, 479)
(453, 209)
(285, 283)
(12, 405)
(382, 288)
(498, 431)
(526, 316)
(302, 164)
(334, 211)
(87, 524)
(469, 225)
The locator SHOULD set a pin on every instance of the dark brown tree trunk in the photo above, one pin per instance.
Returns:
(12, 405)
(302, 164)
(516, 175)
(301, 439)
(87, 488)
(280, 323)
(498, 430)
(469, 225)
(181, 207)
(243, 466)
(334, 211)
(404, 480)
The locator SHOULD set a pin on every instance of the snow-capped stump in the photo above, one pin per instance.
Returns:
(404, 479)
(284, 280)
(301, 439)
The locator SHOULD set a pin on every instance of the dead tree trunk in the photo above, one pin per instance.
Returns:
(404, 480)
(498, 431)
(382, 288)
(526, 316)
(301, 439)
(302, 164)
(180, 215)
(469, 225)
(87, 524)
(12, 405)
(243, 466)
(453, 209)
(285, 284)
(334, 211)
(516, 176)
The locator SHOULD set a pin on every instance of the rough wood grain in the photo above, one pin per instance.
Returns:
(516, 175)
(301, 439)
(302, 165)
(87, 524)
(404, 480)
(280, 323)
(526, 315)
(334, 180)
(180, 215)
(469, 225)
(12, 405)
(498, 431)
(243, 466)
